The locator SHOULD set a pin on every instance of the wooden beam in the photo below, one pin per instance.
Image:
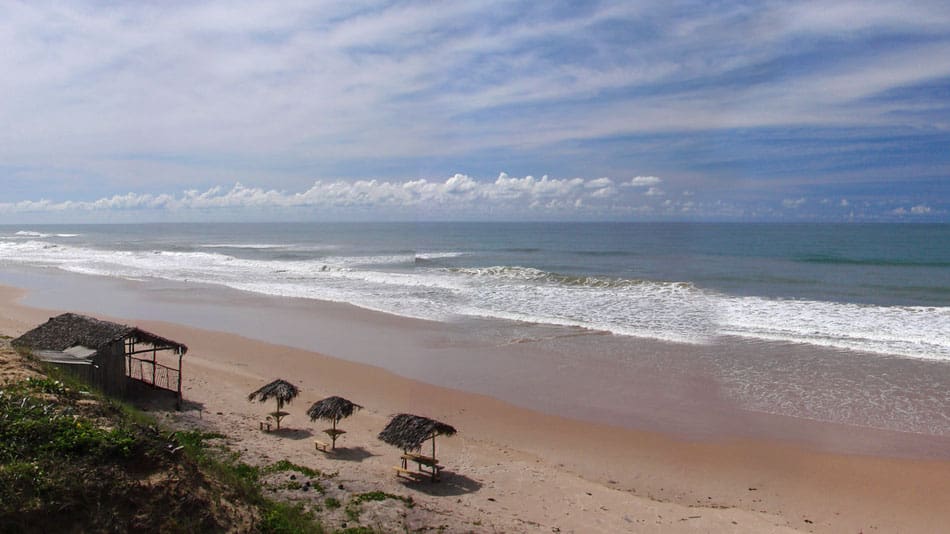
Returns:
(153, 349)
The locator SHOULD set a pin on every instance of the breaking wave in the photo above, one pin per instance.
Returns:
(415, 285)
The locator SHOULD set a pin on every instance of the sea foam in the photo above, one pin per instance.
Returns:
(676, 311)
(40, 235)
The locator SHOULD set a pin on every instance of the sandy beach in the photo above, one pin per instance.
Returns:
(515, 469)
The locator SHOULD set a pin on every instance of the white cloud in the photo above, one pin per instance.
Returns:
(920, 209)
(642, 181)
(793, 203)
(459, 192)
(606, 192)
(155, 95)
(599, 182)
(604, 188)
(654, 192)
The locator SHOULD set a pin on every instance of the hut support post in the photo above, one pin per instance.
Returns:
(434, 461)
(178, 403)
(333, 436)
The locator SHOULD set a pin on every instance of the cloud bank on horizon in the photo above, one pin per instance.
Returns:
(634, 110)
(459, 194)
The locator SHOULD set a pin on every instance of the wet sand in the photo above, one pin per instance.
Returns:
(673, 450)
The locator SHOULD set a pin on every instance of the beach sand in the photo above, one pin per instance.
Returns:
(514, 469)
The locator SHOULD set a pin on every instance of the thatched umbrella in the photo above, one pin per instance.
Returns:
(332, 409)
(279, 389)
(409, 432)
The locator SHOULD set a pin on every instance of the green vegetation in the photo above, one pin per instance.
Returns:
(286, 465)
(281, 518)
(354, 508)
(65, 460)
(73, 457)
(380, 496)
(73, 460)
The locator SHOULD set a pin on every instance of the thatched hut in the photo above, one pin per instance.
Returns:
(332, 409)
(280, 390)
(409, 432)
(110, 356)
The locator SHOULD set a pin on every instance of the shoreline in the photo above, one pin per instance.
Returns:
(735, 389)
(514, 454)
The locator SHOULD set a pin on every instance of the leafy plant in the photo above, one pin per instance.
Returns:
(283, 518)
(354, 508)
(287, 465)
(46, 385)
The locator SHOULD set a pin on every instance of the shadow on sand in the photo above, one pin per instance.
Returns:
(349, 454)
(450, 484)
(189, 406)
(292, 433)
(159, 400)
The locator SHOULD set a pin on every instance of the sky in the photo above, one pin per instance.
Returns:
(492, 110)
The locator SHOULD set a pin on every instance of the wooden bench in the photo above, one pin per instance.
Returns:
(321, 446)
(409, 473)
(265, 426)
(426, 466)
(420, 459)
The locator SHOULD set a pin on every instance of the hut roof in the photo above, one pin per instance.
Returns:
(332, 409)
(279, 389)
(71, 329)
(410, 431)
(65, 357)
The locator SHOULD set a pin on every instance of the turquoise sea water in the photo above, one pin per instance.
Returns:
(881, 288)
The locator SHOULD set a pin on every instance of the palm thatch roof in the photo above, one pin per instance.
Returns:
(332, 409)
(279, 389)
(409, 432)
(72, 329)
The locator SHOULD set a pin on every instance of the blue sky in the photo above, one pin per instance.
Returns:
(790, 111)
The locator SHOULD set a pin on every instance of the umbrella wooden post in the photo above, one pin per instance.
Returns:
(282, 391)
(332, 409)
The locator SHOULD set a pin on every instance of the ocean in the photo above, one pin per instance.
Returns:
(872, 288)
